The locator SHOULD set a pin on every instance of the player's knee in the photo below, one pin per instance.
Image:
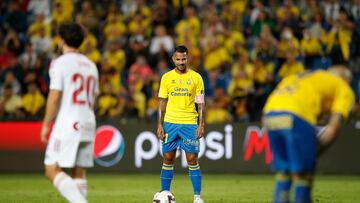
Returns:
(169, 160)
(51, 171)
(192, 162)
(192, 159)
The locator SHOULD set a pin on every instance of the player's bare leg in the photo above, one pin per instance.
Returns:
(195, 175)
(303, 184)
(169, 158)
(64, 184)
(167, 171)
(51, 171)
(79, 176)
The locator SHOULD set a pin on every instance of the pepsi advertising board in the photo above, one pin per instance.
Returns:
(228, 148)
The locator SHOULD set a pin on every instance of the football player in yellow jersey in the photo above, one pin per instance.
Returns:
(290, 116)
(179, 124)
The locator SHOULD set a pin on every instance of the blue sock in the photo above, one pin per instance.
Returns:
(195, 177)
(282, 188)
(167, 173)
(302, 191)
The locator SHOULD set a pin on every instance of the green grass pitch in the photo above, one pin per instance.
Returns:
(129, 188)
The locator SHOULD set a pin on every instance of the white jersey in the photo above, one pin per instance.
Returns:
(78, 79)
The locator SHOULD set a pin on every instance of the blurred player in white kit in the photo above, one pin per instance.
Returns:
(73, 88)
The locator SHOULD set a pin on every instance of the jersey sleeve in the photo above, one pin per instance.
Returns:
(56, 77)
(163, 91)
(200, 92)
(343, 101)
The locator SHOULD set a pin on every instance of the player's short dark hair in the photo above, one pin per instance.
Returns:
(72, 34)
(181, 49)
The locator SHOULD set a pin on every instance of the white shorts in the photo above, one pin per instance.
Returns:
(68, 154)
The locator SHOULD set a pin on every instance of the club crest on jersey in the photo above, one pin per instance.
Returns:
(188, 82)
(172, 81)
(180, 81)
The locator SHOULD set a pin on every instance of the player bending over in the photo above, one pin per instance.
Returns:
(180, 89)
(290, 116)
(73, 87)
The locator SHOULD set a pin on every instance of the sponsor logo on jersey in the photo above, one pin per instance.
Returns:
(109, 146)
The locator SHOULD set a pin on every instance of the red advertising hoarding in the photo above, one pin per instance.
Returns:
(20, 136)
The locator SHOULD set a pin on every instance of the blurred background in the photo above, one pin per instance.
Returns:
(241, 48)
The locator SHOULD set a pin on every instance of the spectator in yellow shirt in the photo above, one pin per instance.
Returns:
(10, 104)
(190, 23)
(288, 43)
(243, 65)
(108, 74)
(338, 39)
(114, 56)
(234, 43)
(290, 67)
(39, 24)
(92, 53)
(110, 104)
(217, 111)
(89, 41)
(311, 48)
(62, 12)
(137, 99)
(288, 5)
(137, 22)
(33, 101)
(216, 57)
(114, 27)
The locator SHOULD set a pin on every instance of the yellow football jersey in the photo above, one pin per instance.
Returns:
(180, 90)
(311, 94)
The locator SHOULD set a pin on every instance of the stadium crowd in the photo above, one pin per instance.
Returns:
(241, 48)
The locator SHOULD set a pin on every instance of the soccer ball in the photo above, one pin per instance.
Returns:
(164, 197)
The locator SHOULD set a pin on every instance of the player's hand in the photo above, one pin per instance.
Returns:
(44, 131)
(327, 136)
(160, 132)
(200, 131)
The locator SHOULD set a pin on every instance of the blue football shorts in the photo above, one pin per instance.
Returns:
(180, 135)
(293, 142)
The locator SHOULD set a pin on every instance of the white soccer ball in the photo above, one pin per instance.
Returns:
(164, 197)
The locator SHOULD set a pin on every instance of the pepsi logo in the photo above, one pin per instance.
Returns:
(109, 146)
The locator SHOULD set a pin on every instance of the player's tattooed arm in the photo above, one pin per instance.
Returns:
(161, 115)
(201, 127)
(52, 107)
